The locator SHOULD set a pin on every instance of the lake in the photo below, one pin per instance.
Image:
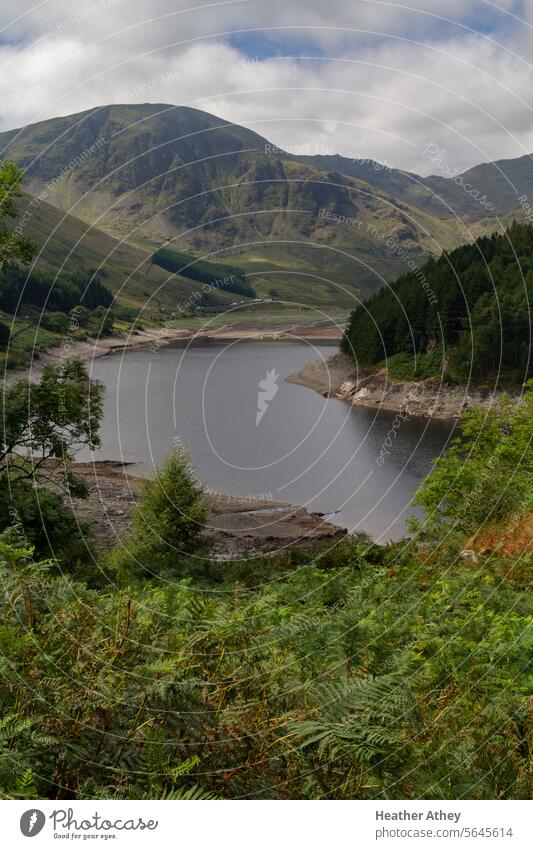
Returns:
(276, 440)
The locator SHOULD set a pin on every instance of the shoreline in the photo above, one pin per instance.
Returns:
(159, 337)
(89, 349)
(237, 526)
(338, 378)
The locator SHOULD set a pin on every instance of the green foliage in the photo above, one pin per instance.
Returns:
(57, 322)
(50, 292)
(44, 425)
(37, 299)
(168, 525)
(419, 367)
(485, 476)
(44, 521)
(370, 672)
(50, 419)
(404, 680)
(217, 275)
(173, 511)
(16, 776)
(472, 303)
(12, 244)
(103, 714)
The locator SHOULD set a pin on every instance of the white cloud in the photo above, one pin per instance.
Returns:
(384, 96)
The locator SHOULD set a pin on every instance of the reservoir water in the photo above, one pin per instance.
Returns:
(252, 435)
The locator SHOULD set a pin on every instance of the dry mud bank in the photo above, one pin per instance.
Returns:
(236, 525)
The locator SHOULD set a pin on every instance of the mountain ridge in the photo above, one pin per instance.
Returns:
(165, 174)
(158, 174)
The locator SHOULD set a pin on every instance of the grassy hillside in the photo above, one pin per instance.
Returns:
(144, 294)
(65, 243)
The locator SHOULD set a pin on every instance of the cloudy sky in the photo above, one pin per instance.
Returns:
(367, 78)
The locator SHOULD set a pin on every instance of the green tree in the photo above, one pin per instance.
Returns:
(42, 519)
(168, 525)
(12, 244)
(473, 302)
(51, 419)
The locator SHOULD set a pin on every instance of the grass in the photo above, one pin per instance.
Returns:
(262, 315)
(65, 242)
(404, 366)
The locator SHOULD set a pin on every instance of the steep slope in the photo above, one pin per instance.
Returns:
(158, 173)
(65, 243)
(508, 183)
(433, 195)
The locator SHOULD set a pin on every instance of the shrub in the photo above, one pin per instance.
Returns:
(43, 521)
(485, 475)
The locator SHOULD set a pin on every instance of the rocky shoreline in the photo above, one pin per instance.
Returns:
(337, 377)
(236, 526)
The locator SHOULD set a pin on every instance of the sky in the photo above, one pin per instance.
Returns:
(376, 79)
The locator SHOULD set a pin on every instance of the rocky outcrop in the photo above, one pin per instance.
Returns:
(338, 377)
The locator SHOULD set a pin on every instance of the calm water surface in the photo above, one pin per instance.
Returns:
(307, 450)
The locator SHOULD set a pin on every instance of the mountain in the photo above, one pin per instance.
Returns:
(504, 185)
(154, 174)
(321, 229)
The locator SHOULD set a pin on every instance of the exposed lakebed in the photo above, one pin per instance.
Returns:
(304, 449)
